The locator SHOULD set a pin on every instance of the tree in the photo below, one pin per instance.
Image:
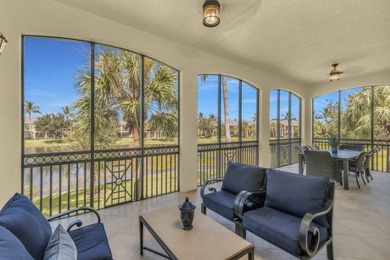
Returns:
(246, 129)
(226, 108)
(357, 117)
(201, 124)
(226, 125)
(206, 125)
(52, 125)
(66, 110)
(326, 119)
(30, 108)
(118, 95)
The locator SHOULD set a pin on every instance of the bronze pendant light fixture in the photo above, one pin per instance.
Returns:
(211, 11)
(335, 73)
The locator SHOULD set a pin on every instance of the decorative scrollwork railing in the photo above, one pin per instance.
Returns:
(213, 158)
(57, 182)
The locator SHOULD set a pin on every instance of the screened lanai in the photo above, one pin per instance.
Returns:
(186, 99)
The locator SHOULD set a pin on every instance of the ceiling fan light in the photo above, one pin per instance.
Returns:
(335, 73)
(211, 12)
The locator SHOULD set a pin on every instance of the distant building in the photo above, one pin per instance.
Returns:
(29, 128)
(284, 128)
(234, 127)
(31, 133)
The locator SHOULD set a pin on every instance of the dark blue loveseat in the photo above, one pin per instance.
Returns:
(25, 232)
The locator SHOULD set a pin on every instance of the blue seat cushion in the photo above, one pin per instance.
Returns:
(11, 247)
(221, 202)
(26, 222)
(296, 194)
(279, 228)
(239, 177)
(91, 242)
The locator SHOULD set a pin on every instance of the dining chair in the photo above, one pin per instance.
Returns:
(301, 150)
(321, 163)
(312, 147)
(367, 163)
(356, 147)
(359, 168)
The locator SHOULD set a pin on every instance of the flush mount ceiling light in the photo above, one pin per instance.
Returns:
(3, 42)
(211, 9)
(335, 73)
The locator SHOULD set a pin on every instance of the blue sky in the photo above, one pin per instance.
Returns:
(208, 98)
(50, 67)
(322, 101)
(283, 104)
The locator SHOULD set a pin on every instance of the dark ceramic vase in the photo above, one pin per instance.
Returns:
(187, 210)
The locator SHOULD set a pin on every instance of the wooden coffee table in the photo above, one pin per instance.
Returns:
(206, 240)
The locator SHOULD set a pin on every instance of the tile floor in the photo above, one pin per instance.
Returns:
(361, 223)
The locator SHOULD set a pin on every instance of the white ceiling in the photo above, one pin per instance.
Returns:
(297, 39)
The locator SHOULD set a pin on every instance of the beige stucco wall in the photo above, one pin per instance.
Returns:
(48, 18)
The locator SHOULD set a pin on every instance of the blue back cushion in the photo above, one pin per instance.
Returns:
(11, 247)
(26, 222)
(239, 177)
(296, 194)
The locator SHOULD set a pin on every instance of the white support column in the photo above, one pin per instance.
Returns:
(306, 123)
(188, 130)
(264, 148)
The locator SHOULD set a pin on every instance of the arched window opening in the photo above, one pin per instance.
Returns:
(227, 124)
(357, 116)
(100, 125)
(285, 127)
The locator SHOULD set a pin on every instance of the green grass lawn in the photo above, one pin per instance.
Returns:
(44, 143)
(122, 142)
(153, 185)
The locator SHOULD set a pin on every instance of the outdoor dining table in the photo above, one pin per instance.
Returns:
(341, 155)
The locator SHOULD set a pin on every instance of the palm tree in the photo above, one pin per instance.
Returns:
(213, 122)
(66, 110)
(226, 108)
(201, 124)
(118, 94)
(30, 108)
(357, 117)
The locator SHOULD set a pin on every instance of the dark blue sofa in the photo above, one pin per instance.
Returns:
(297, 214)
(25, 232)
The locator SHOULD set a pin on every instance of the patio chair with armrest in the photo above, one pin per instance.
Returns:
(321, 163)
(297, 215)
(240, 192)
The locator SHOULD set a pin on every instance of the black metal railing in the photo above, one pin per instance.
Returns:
(213, 158)
(56, 182)
(380, 160)
(283, 151)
